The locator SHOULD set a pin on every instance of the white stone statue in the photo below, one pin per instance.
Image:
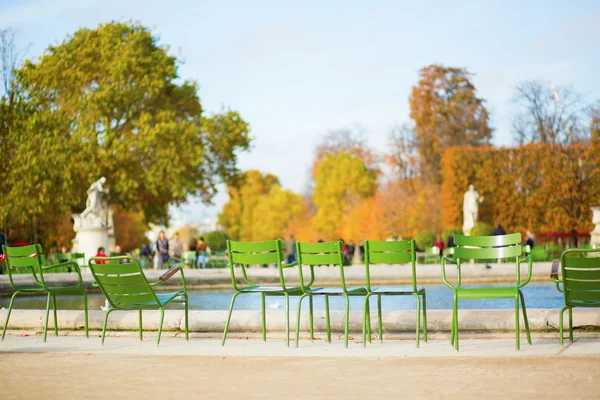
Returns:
(96, 206)
(470, 209)
(94, 226)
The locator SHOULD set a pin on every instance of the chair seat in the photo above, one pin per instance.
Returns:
(395, 291)
(337, 291)
(48, 288)
(487, 293)
(583, 303)
(163, 298)
(269, 289)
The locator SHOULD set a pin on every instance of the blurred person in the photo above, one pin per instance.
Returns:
(2, 243)
(439, 243)
(201, 253)
(530, 241)
(290, 249)
(498, 231)
(161, 250)
(175, 248)
(145, 255)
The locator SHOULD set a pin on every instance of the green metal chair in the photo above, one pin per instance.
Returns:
(122, 280)
(481, 248)
(249, 253)
(29, 258)
(324, 253)
(397, 252)
(580, 281)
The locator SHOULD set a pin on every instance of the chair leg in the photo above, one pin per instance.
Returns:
(311, 321)
(287, 319)
(327, 320)
(418, 318)
(228, 318)
(10, 306)
(187, 319)
(346, 319)
(85, 313)
(455, 319)
(571, 324)
(560, 324)
(47, 315)
(366, 316)
(525, 317)
(298, 318)
(55, 317)
(160, 324)
(379, 320)
(141, 329)
(105, 323)
(369, 331)
(517, 321)
(263, 318)
(424, 316)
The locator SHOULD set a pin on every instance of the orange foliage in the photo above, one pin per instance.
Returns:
(541, 187)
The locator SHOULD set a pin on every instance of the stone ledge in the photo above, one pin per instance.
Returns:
(250, 321)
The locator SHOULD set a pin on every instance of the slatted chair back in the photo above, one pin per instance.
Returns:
(24, 259)
(123, 282)
(581, 277)
(392, 252)
(489, 248)
(319, 254)
(252, 253)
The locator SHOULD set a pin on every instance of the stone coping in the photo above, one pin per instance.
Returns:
(355, 275)
(213, 322)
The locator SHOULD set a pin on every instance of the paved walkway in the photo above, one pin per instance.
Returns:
(76, 367)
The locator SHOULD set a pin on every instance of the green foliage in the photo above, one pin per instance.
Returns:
(425, 239)
(448, 232)
(481, 229)
(216, 241)
(109, 102)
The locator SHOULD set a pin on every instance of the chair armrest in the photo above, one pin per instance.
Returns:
(529, 260)
(66, 264)
(289, 265)
(451, 261)
(168, 274)
(554, 271)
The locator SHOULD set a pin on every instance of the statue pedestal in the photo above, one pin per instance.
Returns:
(595, 234)
(89, 237)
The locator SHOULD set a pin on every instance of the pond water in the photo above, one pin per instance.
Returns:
(439, 297)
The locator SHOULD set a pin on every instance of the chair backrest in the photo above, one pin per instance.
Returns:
(249, 253)
(581, 277)
(322, 253)
(123, 282)
(488, 247)
(392, 252)
(27, 258)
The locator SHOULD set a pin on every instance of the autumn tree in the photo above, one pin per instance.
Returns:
(342, 181)
(547, 114)
(109, 102)
(274, 213)
(237, 215)
(351, 141)
(403, 156)
(446, 112)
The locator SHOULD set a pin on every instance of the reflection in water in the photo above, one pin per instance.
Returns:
(438, 297)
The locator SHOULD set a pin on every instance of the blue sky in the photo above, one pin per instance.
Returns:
(296, 70)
